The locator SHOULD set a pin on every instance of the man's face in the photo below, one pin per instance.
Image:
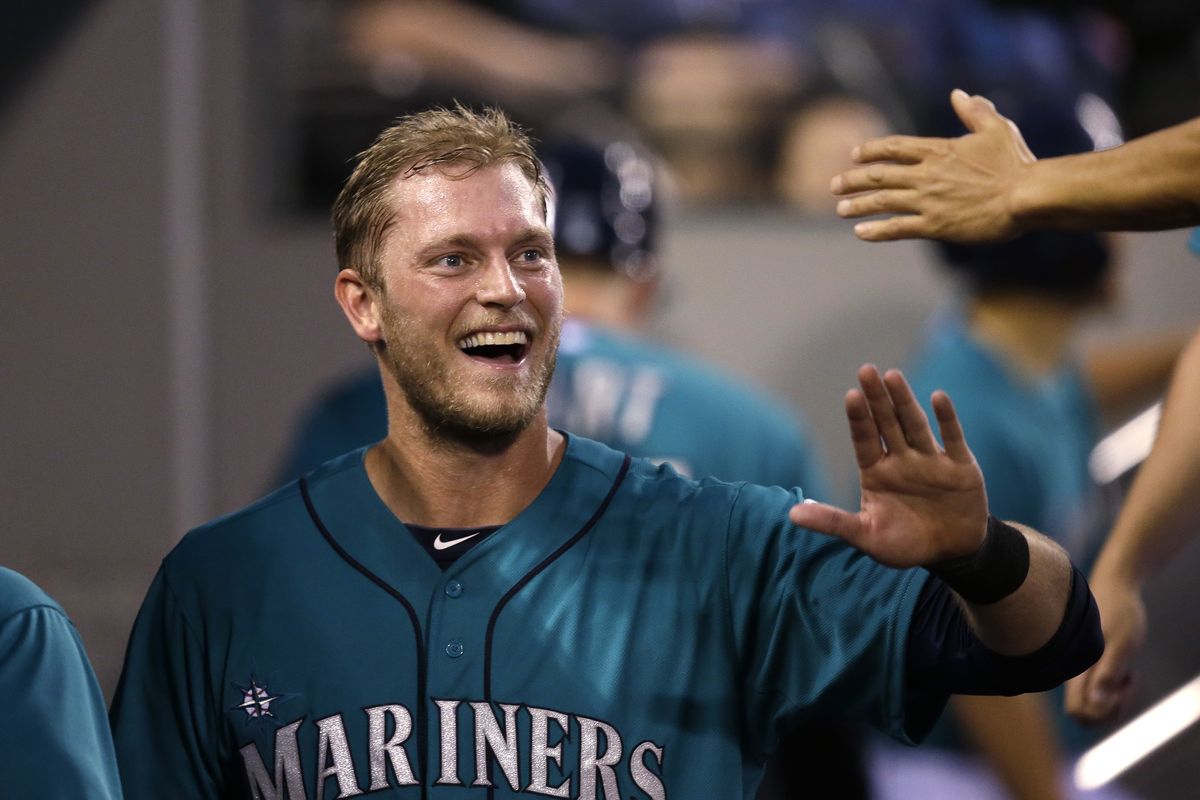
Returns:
(472, 300)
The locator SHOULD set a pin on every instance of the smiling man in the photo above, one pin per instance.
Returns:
(605, 627)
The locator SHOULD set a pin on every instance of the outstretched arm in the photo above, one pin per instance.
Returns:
(987, 186)
(1158, 518)
(922, 505)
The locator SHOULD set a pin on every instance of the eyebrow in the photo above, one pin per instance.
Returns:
(541, 236)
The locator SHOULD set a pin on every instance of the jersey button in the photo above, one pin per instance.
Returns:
(454, 589)
(454, 648)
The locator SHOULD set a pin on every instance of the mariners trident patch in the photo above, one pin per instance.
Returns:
(257, 700)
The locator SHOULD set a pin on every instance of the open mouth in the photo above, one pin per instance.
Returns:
(506, 347)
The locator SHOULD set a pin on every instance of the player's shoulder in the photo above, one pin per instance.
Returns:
(266, 527)
(658, 486)
(18, 593)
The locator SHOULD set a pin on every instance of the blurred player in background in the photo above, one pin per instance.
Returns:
(988, 186)
(1008, 353)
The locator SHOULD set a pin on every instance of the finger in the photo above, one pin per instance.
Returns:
(1073, 696)
(872, 176)
(863, 433)
(884, 201)
(827, 519)
(882, 410)
(912, 417)
(1096, 696)
(907, 226)
(900, 149)
(976, 112)
(953, 439)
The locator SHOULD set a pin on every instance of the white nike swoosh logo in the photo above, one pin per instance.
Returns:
(438, 544)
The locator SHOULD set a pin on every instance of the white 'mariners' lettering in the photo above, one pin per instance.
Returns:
(540, 751)
(488, 736)
(382, 753)
(600, 752)
(591, 762)
(448, 714)
(331, 740)
(643, 778)
(287, 767)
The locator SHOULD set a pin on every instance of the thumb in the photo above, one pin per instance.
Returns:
(975, 112)
(827, 519)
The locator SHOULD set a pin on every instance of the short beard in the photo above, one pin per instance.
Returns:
(446, 415)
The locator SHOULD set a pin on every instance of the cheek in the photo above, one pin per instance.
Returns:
(547, 294)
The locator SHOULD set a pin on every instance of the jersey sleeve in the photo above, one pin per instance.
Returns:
(820, 629)
(163, 726)
(55, 743)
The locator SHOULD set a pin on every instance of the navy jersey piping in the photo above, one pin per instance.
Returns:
(529, 576)
(422, 722)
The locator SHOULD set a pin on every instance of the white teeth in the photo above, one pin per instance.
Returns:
(492, 337)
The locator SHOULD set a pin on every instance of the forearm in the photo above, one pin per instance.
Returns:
(1025, 620)
(1125, 376)
(1153, 522)
(1151, 183)
(945, 654)
(1016, 736)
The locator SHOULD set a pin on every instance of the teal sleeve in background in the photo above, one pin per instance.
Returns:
(54, 736)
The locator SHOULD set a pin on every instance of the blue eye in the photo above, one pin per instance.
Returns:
(454, 260)
(531, 255)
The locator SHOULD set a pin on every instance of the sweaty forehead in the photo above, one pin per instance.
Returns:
(492, 204)
(444, 185)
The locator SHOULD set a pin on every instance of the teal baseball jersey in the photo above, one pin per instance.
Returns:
(634, 396)
(54, 740)
(631, 634)
(1032, 439)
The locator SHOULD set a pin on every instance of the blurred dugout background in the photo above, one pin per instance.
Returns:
(167, 169)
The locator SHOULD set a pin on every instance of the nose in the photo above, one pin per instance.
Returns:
(499, 285)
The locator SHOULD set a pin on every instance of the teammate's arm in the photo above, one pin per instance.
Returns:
(987, 186)
(922, 505)
(54, 743)
(1158, 518)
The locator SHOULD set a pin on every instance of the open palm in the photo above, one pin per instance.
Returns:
(920, 503)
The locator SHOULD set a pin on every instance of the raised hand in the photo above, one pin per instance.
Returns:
(958, 190)
(1097, 695)
(920, 503)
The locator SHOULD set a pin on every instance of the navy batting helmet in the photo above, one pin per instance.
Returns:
(605, 206)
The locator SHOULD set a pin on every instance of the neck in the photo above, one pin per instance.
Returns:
(1032, 332)
(604, 299)
(431, 480)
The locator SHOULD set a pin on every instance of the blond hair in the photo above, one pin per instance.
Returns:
(460, 137)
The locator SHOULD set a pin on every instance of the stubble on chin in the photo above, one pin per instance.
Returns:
(487, 413)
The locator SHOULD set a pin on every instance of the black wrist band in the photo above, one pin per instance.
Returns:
(994, 571)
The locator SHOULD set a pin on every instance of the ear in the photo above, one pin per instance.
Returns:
(360, 304)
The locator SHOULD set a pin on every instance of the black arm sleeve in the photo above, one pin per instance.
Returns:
(944, 656)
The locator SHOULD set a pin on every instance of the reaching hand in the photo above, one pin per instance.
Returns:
(959, 190)
(1097, 695)
(920, 503)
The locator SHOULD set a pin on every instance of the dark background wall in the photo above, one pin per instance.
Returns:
(164, 324)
